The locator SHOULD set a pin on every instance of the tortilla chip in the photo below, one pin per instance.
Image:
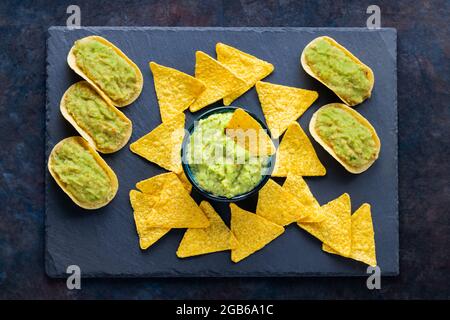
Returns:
(217, 237)
(163, 144)
(279, 206)
(252, 232)
(282, 105)
(147, 235)
(175, 90)
(362, 237)
(296, 186)
(174, 209)
(150, 236)
(155, 184)
(245, 66)
(248, 133)
(184, 180)
(152, 186)
(335, 229)
(219, 81)
(296, 155)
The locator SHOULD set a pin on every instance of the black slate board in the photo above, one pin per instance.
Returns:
(104, 242)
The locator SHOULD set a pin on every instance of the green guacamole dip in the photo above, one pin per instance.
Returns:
(344, 76)
(219, 165)
(96, 117)
(350, 140)
(111, 72)
(80, 173)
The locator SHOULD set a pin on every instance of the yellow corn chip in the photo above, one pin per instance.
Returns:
(155, 184)
(147, 235)
(295, 185)
(362, 238)
(296, 155)
(335, 229)
(252, 232)
(184, 180)
(278, 205)
(175, 209)
(163, 144)
(245, 66)
(282, 105)
(217, 237)
(153, 187)
(175, 90)
(247, 132)
(219, 81)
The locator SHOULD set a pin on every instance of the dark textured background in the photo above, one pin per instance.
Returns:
(424, 151)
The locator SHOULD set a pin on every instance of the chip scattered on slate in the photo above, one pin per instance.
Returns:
(175, 209)
(147, 235)
(282, 105)
(175, 90)
(296, 155)
(362, 237)
(278, 205)
(335, 229)
(163, 144)
(252, 232)
(151, 189)
(219, 80)
(296, 185)
(185, 181)
(247, 67)
(216, 237)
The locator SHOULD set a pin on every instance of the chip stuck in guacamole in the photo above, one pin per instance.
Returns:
(218, 164)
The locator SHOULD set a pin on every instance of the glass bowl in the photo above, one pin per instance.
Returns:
(190, 175)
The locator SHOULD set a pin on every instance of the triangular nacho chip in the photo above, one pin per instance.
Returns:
(278, 205)
(155, 184)
(175, 90)
(147, 235)
(362, 238)
(184, 180)
(335, 229)
(248, 133)
(296, 155)
(174, 208)
(252, 232)
(163, 144)
(153, 187)
(296, 185)
(282, 105)
(217, 237)
(245, 66)
(219, 81)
